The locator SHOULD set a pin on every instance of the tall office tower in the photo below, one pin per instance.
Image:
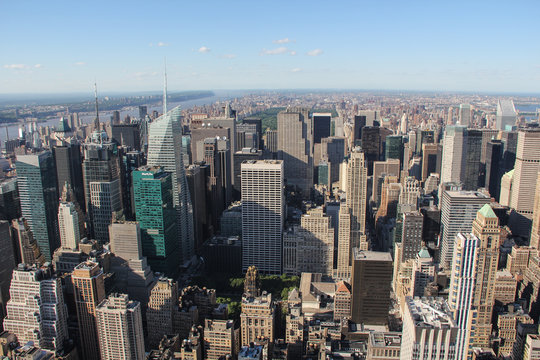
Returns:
(257, 318)
(359, 122)
(6, 265)
(424, 272)
(28, 250)
(219, 339)
(133, 275)
(143, 111)
(164, 139)
(505, 195)
(313, 243)
(321, 126)
(373, 144)
(431, 159)
(120, 328)
(239, 158)
(68, 161)
(462, 283)
(404, 124)
(411, 238)
(486, 229)
(10, 204)
(394, 147)
(115, 118)
(89, 291)
(128, 135)
(226, 170)
(390, 191)
(453, 155)
(408, 198)
(333, 152)
(257, 123)
(423, 137)
(263, 206)
(154, 210)
(381, 170)
(102, 184)
(494, 153)
(509, 140)
(532, 347)
(295, 148)
(357, 197)
(36, 310)
(535, 230)
(458, 210)
(371, 285)
(271, 140)
(214, 186)
(473, 146)
(506, 114)
(344, 253)
(465, 115)
(487, 136)
(162, 305)
(195, 176)
(130, 161)
(36, 177)
(69, 226)
(429, 331)
(525, 176)
(228, 120)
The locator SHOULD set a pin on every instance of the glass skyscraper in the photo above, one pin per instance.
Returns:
(154, 210)
(36, 176)
(165, 150)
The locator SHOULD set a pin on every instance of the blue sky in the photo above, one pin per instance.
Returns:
(62, 46)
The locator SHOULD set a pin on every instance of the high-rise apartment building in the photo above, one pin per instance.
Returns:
(262, 215)
(120, 328)
(102, 184)
(164, 149)
(156, 215)
(458, 210)
(36, 310)
(429, 331)
(257, 318)
(89, 291)
(357, 197)
(36, 178)
(219, 339)
(371, 285)
(525, 175)
(295, 147)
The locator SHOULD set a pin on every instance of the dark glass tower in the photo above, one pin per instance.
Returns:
(68, 161)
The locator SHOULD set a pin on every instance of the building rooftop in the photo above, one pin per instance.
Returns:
(371, 255)
(383, 339)
(430, 312)
(487, 211)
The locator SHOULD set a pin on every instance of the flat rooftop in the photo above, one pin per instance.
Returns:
(430, 312)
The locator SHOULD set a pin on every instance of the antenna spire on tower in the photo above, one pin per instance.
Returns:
(96, 120)
(165, 88)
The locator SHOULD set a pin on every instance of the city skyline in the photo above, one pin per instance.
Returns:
(418, 46)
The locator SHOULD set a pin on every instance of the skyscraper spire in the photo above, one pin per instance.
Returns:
(96, 120)
(165, 88)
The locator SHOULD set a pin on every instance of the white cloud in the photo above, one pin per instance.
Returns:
(292, 53)
(204, 49)
(143, 75)
(80, 63)
(283, 41)
(37, 66)
(160, 44)
(228, 56)
(276, 51)
(15, 66)
(296, 70)
(315, 52)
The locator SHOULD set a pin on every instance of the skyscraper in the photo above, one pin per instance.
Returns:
(89, 291)
(344, 251)
(535, 231)
(411, 238)
(164, 149)
(371, 285)
(28, 250)
(219, 339)
(6, 266)
(453, 156)
(68, 161)
(257, 318)
(357, 197)
(36, 177)
(321, 126)
(295, 148)
(36, 310)
(68, 224)
(494, 154)
(120, 329)
(525, 174)
(506, 114)
(162, 304)
(262, 215)
(394, 147)
(458, 210)
(102, 184)
(154, 210)
(465, 115)
(472, 154)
